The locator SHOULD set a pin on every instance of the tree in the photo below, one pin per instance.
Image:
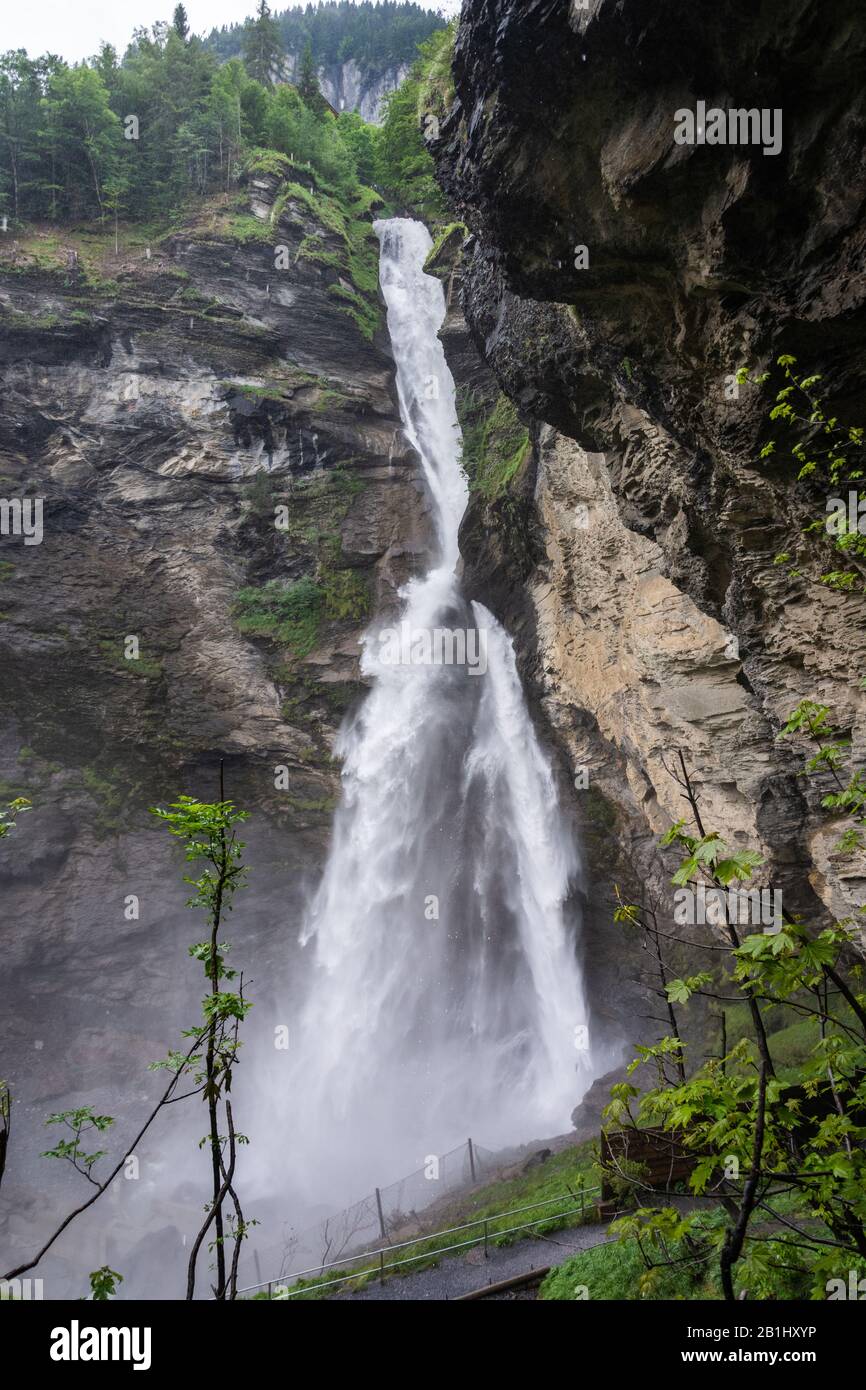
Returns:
(89, 136)
(376, 34)
(225, 109)
(308, 81)
(361, 140)
(20, 95)
(790, 1155)
(209, 835)
(281, 120)
(13, 808)
(103, 1284)
(180, 23)
(208, 832)
(5, 1125)
(116, 195)
(406, 165)
(262, 49)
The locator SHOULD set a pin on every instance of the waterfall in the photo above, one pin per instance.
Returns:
(444, 996)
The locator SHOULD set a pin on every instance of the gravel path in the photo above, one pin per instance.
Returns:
(460, 1274)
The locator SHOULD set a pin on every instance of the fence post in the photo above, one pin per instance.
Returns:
(381, 1217)
(381, 1266)
(270, 1295)
(471, 1159)
(485, 1237)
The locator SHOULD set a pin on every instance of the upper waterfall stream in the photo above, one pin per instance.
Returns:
(445, 996)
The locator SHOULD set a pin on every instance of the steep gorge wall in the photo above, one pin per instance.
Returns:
(349, 86)
(141, 396)
(634, 550)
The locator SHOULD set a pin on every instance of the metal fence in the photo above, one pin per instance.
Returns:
(401, 1209)
(572, 1202)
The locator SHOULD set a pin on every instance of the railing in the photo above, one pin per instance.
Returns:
(283, 1290)
(381, 1216)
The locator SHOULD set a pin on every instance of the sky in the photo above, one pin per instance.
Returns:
(74, 28)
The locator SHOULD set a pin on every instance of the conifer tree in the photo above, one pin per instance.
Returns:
(263, 50)
(308, 80)
(180, 22)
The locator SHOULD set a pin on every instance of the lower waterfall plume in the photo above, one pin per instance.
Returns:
(445, 996)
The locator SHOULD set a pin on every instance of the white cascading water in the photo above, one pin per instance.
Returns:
(418, 1029)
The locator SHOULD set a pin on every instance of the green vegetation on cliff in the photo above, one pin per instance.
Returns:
(495, 443)
(412, 113)
(292, 614)
(286, 613)
(445, 251)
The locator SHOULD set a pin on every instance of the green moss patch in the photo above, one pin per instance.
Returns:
(286, 613)
(443, 253)
(495, 444)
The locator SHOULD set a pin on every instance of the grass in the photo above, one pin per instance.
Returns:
(689, 1269)
(262, 161)
(321, 206)
(278, 387)
(367, 201)
(45, 247)
(146, 667)
(495, 444)
(312, 248)
(358, 258)
(346, 595)
(614, 1271)
(286, 613)
(243, 227)
(330, 400)
(792, 1044)
(317, 505)
(110, 797)
(291, 614)
(363, 315)
(363, 258)
(450, 237)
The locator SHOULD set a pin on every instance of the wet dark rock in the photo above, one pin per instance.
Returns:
(650, 615)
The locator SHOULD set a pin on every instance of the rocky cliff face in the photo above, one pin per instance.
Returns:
(350, 87)
(212, 418)
(634, 548)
